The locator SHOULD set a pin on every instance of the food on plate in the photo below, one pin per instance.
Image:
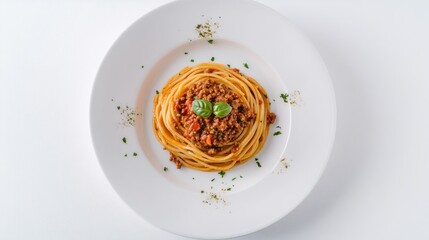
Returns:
(211, 117)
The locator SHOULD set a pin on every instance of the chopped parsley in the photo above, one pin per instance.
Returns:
(284, 96)
(165, 169)
(157, 92)
(222, 173)
(212, 59)
(186, 53)
(142, 66)
(279, 127)
(228, 189)
(277, 133)
(124, 139)
(125, 155)
(228, 65)
(210, 41)
(213, 179)
(207, 29)
(192, 60)
(233, 179)
(257, 162)
(246, 65)
(118, 107)
(202, 191)
(135, 154)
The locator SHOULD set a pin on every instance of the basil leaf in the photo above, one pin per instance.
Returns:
(202, 108)
(221, 109)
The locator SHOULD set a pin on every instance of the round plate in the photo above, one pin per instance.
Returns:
(241, 34)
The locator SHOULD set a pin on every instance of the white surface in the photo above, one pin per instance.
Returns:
(172, 200)
(375, 185)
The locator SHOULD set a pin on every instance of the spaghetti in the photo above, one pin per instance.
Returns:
(206, 141)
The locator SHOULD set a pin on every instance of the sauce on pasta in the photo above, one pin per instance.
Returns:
(211, 142)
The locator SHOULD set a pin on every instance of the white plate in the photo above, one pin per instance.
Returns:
(248, 197)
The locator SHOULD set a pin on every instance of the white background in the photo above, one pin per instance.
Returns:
(376, 185)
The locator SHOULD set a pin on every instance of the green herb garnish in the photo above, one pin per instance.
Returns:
(245, 65)
(222, 109)
(135, 154)
(228, 65)
(213, 179)
(233, 178)
(212, 59)
(118, 107)
(202, 191)
(202, 108)
(210, 41)
(142, 66)
(192, 60)
(222, 173)
(259, 165)
(157, 92)
(124, 139)
(277, 133)
(284, 96)
(186, 53)
(165, 169)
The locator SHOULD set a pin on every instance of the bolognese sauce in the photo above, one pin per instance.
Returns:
(212, 133)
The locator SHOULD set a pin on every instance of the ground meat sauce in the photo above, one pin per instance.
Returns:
(212, 133)
(271, 118)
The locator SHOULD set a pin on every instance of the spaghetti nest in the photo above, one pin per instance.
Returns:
(211, 142)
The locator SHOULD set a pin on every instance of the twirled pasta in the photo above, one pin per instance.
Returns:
(170, 132)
